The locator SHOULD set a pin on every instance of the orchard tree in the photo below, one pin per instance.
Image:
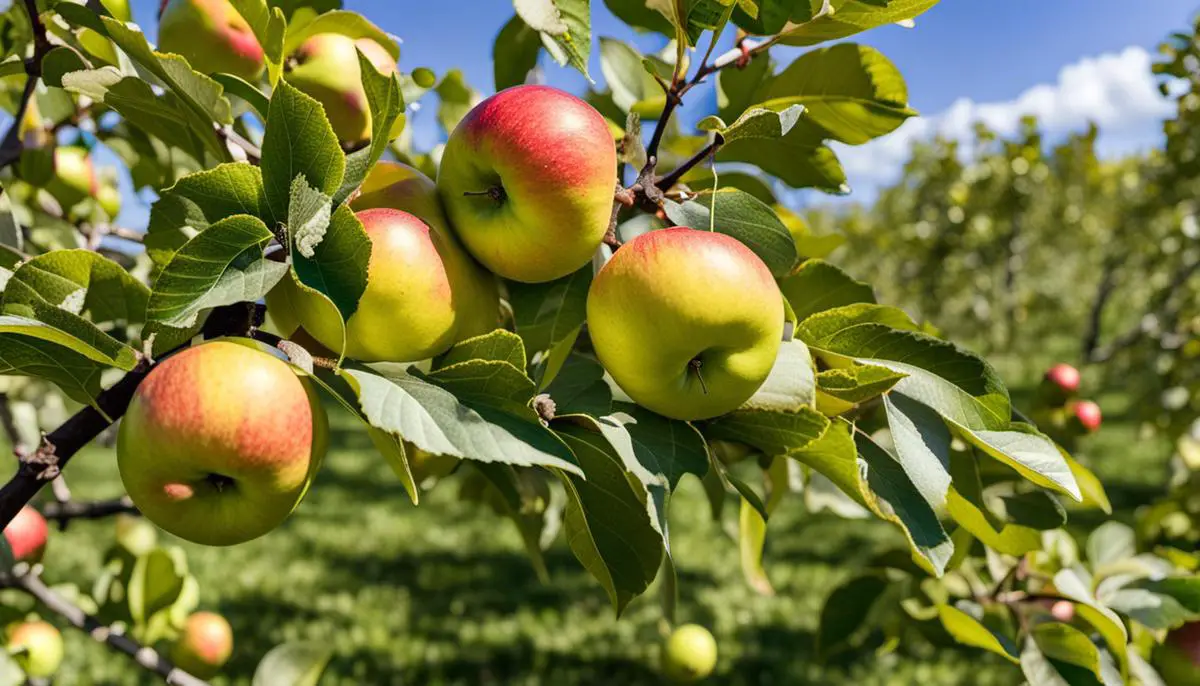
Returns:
(562, 313)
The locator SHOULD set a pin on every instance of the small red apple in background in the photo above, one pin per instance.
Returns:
(36, 646)
(1086, 414)
(204, 646)
(527, 178)
(1178, 658)
(1065, 377)
(1063, 610)
(26, 535)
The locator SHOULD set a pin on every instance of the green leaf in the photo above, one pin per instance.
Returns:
(1153, 610)
(857, 384)
(744, 217)
(64, 286)
(737, 88)
(817, 286)
(1065, 643)
(547, 314)
(579, 388)
(156, 582)
(248, 92)
(607, 521)
(791, 385)
(640, 15)
(338, 265)
(269, 26)
(801, 159)
(221, 266)
(386, 103)
(32, 348)
(431, 418)
(456, 99)
(515, 53)
(1040, 670)
(921, 444)
(969, 631)
(774, 433)
(965, 503)
(752, 526)
(1110, 543)
(1069, 585)
(342, 22)
(1090, 487)
(850, 17)
(565, 26)
(846, 611)
(298, 141)
(1031, 454)
(702, 179)
(1184, 589)
(632, 86)
(59, 61)
(199, 200)
(498, 346)
(491, 383)
(293, 664)
(757, 122)
(518, 499)
(852, 92)
(1035, 509)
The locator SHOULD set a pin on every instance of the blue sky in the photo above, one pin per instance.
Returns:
(1066, 60)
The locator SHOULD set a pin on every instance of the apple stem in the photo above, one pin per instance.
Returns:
(496, 193)
(695, 364)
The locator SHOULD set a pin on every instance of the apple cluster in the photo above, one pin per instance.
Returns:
(1058, 408)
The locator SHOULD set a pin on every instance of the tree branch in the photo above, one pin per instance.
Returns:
(63, 512)
(1104, 291)
(666, 182)
(11, 147)
(253, 152)
(144, 656)
(1136, 332)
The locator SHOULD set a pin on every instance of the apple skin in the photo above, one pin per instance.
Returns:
(42, 646)
(135, 534)
(678, 295)
(99, 45)
(1086, 414)
(327, 69)
(74, 176)
(426, 465)
(26, 535)
(1064, 376)
(212, 36)
(220, 443)
(690, 654)
(410, 309)
(204, 646)
(527, 179)
(1178, 658)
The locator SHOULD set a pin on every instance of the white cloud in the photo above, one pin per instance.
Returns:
(1115, 90)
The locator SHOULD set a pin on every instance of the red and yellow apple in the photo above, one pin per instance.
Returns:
(74, 177)
(327, 68)
(690, 654)
(688, 323)
(424, 293)
(26, 535)
(36, 646)
(527, 179)
(204, 646)
(211, 35)
(220, 443)
(1085, 414)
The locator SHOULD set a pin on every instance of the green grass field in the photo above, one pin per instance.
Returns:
(443, 594)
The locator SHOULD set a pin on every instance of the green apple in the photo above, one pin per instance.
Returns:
(37, 647)
(211, 35)
(1178, 658)
(527, 179)
(423, 294)
(690, 654)
(688, 323)
(135, 534)
(109, 199)
(74, 177)
(220, 443)
(26, 535)
(204, 646)
(98, 45)
(326, 68)
(426, 465)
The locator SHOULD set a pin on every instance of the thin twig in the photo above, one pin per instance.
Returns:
(144, 656)
(11, 147)
(1137, 332)
(63, 512)
(665, 182)
(253, 152)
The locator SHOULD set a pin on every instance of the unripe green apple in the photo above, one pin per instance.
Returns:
(1178, 658)
(135, 534)
(74, 177)
(26, 535)
(204, 646)
(422, 295)
(687, 322)
(211, 35)
(220, 443)
(37, 648)
(109, 199)
(426, 465)
(327, 69)
(527, 179)
(690, 654)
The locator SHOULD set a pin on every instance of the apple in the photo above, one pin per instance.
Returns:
(1085, 414)
(1064, 376)
(135, 534)
(109, 199)
(423, 294)
(204, 645)
(426, 465)
(326, 68)
(690, 654)
(1178, 658)
(99, 45)
(527, 178)
(1063, 610)
(220, 443)
(26, 535)
(74, 177)
(211, 35)
(688, 323)
(37, 647)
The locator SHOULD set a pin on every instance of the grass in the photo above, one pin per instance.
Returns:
(443, 594)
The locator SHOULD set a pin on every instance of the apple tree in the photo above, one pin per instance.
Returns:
(574, 303)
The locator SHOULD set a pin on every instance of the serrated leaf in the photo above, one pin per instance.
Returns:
(744, 217)
(774, 433)
(338, 266)
(921, 444)
(515, 53)
(758, 122)
(801, 159)
(608, 525)
(248, 92)
(546, 315)
(791, 385)
(298, 141)
(579, 388)
(565, 26)
(1031, 454)
(341, 22)
(386, 104)
(63, 286)
(269, 26)
(498, 346)
(845, 612)
(199, 200)
(32, 348)
(491, 383)
(220, 266)
(308, 215)
(817, 286)
(969, 631)
(293, 664)
(850, 17)
(859, 383)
